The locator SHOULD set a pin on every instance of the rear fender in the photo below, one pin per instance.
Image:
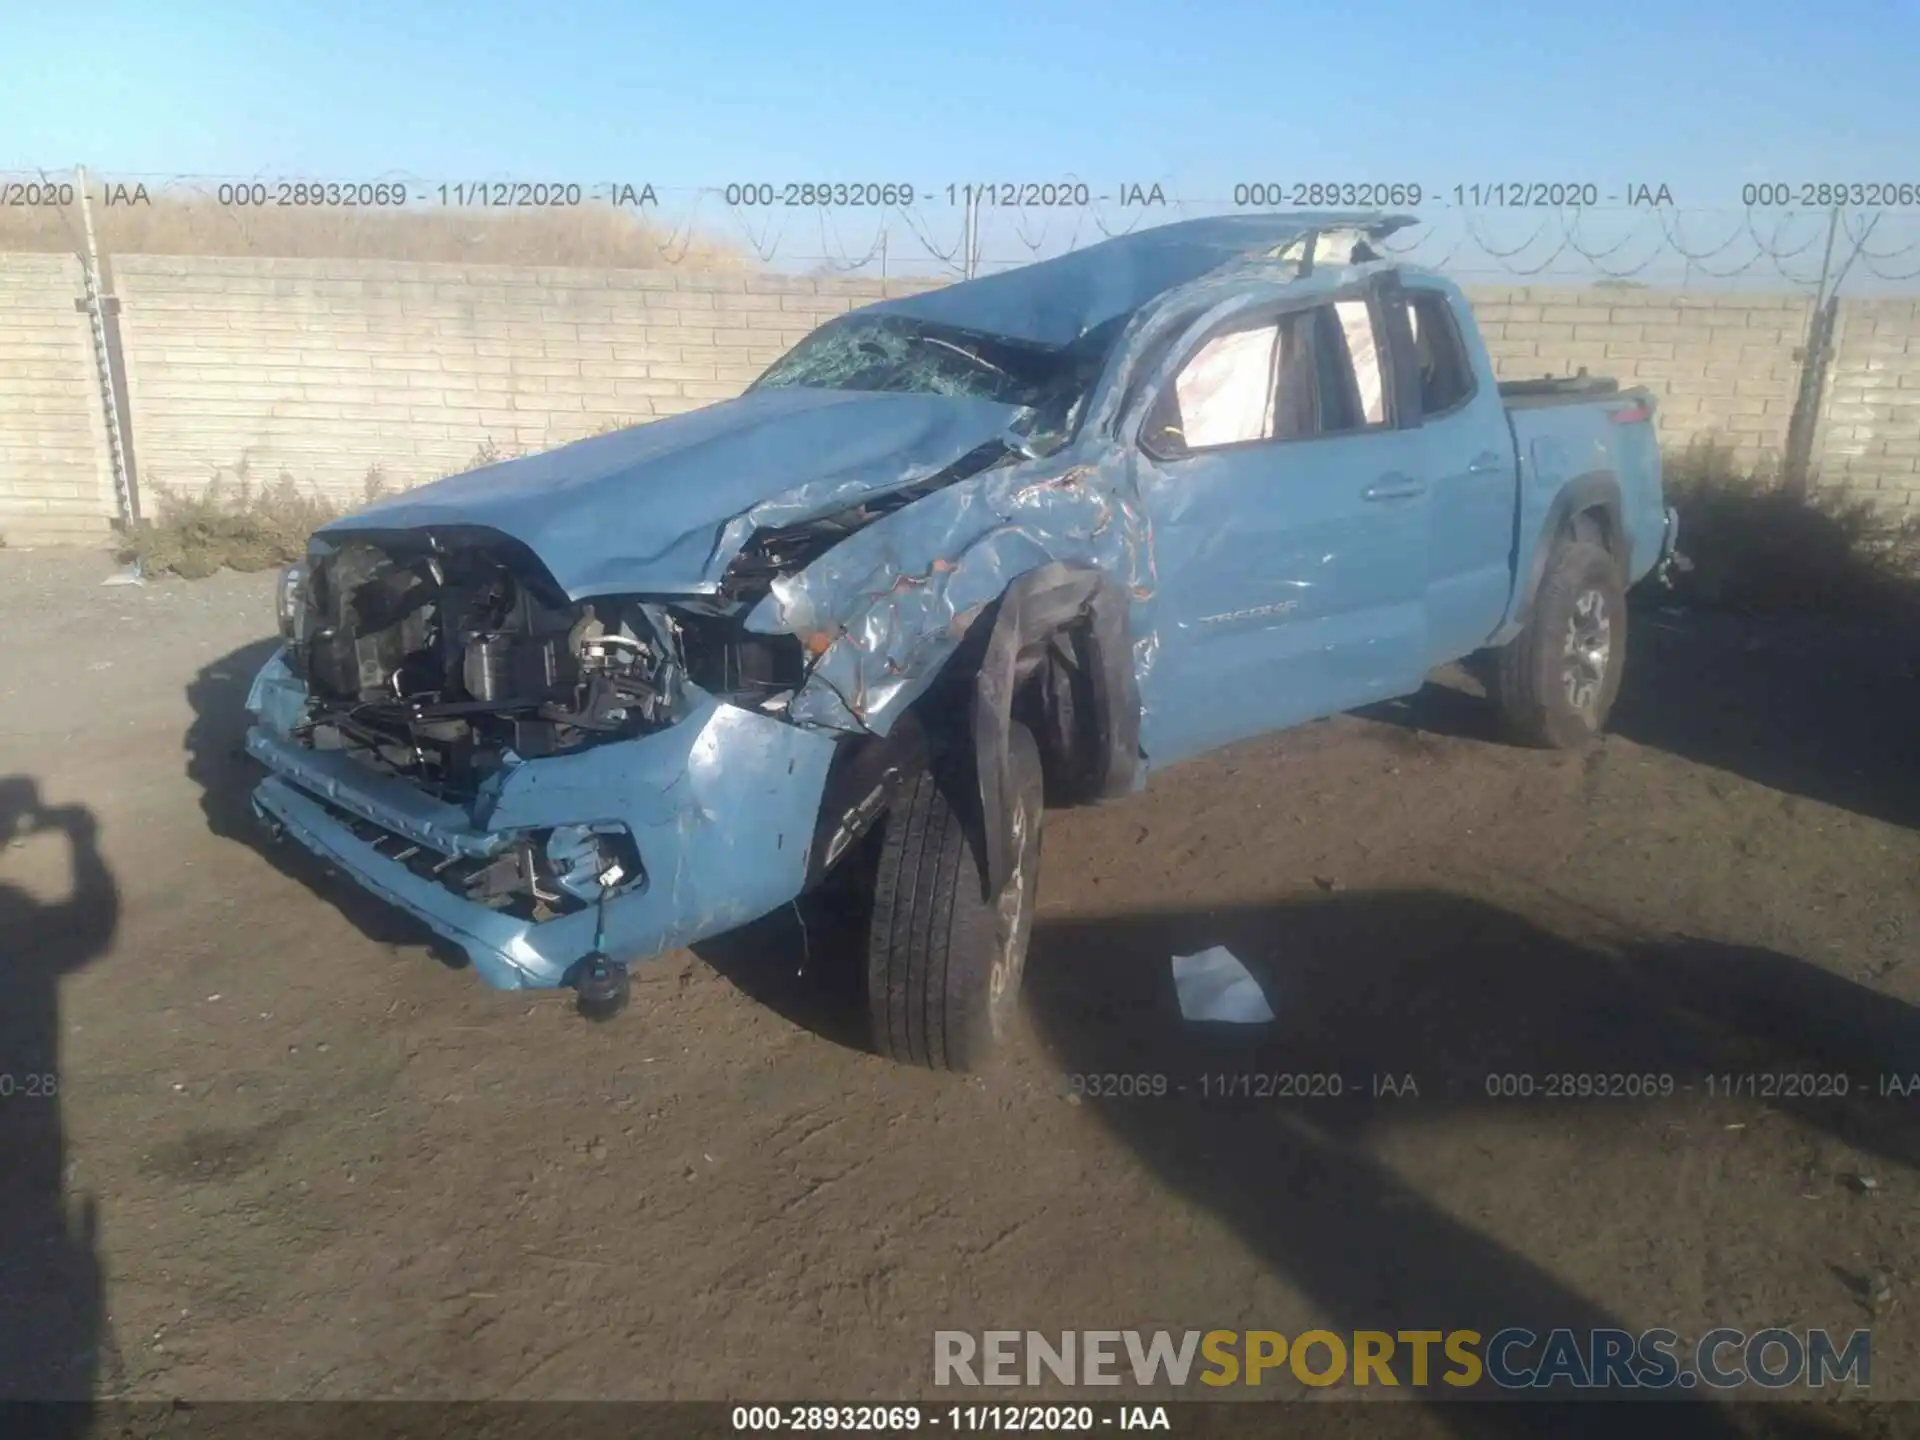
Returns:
(1597, 490)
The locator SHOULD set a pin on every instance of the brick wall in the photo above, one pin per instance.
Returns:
(56, 483)
(325, 368)
(1869, 432)
(1723, 366)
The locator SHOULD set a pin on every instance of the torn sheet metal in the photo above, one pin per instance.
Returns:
(898, 597)
(1214, 985)
(664, 507)
(276, 697)
(1055, 302)
(721, 809)
(893, 601)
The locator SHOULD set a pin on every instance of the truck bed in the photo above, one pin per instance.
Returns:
(1578, 430)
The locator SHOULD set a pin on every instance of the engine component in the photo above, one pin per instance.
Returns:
(442, 662)
(487, 674)
(289, 599)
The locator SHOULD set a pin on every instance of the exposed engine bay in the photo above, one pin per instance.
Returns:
(434, 655)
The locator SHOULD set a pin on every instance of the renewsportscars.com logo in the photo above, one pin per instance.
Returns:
(1515, 1358)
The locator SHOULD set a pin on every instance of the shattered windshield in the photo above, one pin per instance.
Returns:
(894, 353)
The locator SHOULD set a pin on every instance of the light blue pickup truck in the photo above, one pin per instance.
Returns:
(1012, 543)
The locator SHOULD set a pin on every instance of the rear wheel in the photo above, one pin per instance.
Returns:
(944, 961)
(1556, 682)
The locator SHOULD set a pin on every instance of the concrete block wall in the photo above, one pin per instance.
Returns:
(1868, 437)
(56, 482)
(324, 369)
(1724, 367)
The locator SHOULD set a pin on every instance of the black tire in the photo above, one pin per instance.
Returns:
(944, 964)
(1555, 683)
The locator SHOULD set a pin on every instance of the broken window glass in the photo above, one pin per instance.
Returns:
(893, 353)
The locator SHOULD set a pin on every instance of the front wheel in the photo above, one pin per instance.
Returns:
(944, 961)
(1555, 683)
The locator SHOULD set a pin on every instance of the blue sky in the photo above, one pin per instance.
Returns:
(1702, 95)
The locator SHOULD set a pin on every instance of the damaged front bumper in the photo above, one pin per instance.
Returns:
(720, 807)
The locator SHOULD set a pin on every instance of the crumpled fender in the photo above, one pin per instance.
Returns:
(1038, 604)
(886, 607)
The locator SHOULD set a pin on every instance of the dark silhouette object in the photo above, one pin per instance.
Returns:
(806, 962)
(1809, 710)
(52, 1313)
(216, 740)
(1448, 990)
(1831, 719)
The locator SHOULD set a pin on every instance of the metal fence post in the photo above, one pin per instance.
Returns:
(107, 365)
(1815, 357)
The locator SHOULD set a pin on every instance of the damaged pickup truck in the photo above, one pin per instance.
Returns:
(958, 556)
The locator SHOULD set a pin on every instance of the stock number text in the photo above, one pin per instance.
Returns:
(1567, 1086)
(1883, 194)
(812, 194)
(1327, 192)
(890, 1419)
(364, 194)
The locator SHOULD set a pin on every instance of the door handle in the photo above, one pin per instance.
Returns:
(1394, 487)
(1486, 465)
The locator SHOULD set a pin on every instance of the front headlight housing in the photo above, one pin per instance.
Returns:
(289, 598)
(584, 860)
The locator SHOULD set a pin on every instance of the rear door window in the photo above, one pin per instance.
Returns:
(1446, 377)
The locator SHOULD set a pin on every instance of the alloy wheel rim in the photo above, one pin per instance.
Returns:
(1587, 652)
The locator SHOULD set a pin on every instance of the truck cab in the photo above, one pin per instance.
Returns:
(1344, 497)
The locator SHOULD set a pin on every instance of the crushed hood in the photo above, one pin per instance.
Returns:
(1055, 302)
(664, 507)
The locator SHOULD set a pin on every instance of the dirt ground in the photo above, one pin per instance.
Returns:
(295, 1154)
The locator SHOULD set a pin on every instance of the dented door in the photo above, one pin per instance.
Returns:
(1290, 543)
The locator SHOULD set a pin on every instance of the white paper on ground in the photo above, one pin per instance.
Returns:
(1214, 986)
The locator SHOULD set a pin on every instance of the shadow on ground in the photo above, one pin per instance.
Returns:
(54, 1342)
(217, 762)
(1824, 713)
(805, 961)
(1830, 719)
(1449, 991)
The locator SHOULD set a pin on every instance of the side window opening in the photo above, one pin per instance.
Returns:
(1446, 379)
(1226, 390)
(1306, 374)
(1223, 395)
